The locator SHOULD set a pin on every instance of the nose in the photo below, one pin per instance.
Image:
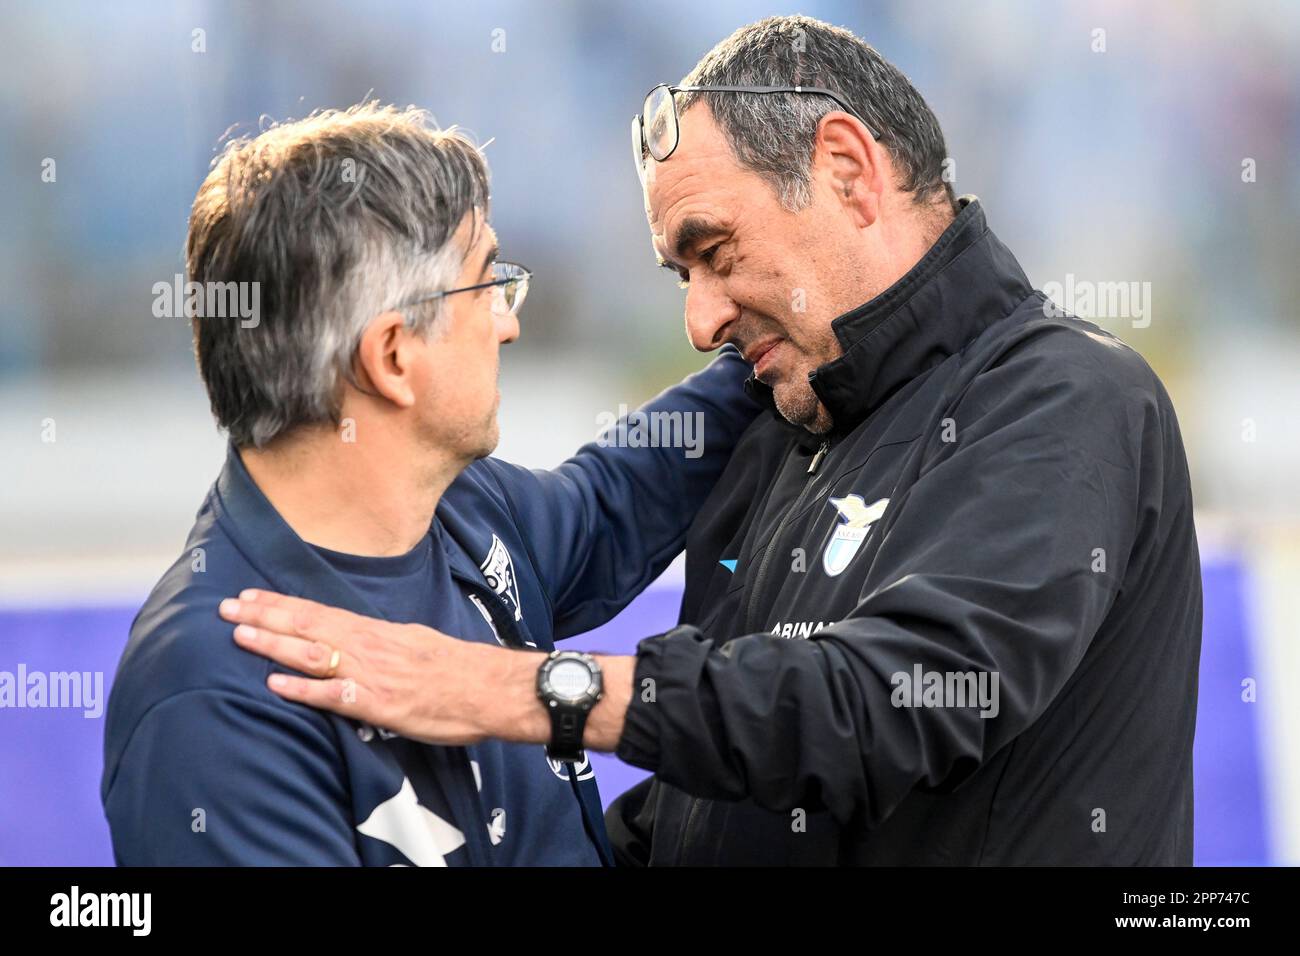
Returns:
(709, 312)
(507, 328)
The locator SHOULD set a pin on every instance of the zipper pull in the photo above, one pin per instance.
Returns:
(817, 458)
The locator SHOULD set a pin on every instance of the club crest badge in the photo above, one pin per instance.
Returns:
(855, 519)
(584, 768)
(499, 572)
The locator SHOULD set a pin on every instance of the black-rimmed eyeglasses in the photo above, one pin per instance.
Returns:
(655, 130)
(509, 284)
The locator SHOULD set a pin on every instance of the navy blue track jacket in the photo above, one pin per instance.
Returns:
(204, 765)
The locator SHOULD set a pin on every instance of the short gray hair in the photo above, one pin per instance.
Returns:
(337, 217)
(773, 133)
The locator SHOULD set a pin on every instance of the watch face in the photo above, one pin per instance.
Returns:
(570, 679)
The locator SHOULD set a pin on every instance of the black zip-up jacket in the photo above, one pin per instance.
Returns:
(1003, 510)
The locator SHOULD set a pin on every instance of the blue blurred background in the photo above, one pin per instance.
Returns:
(1166, 156)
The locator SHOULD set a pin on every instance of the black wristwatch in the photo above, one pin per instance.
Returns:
(568, 685)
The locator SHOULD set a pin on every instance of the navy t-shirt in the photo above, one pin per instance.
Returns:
(529, 807)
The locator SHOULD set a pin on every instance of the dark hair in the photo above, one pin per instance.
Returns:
(773, 134)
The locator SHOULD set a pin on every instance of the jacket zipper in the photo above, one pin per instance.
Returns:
(698, 802)
(504, 621)
(688, 830)
(817, 458)
(507, 629)
(504, 625)
(771, 546)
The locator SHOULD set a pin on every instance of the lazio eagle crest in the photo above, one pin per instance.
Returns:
(856, 518)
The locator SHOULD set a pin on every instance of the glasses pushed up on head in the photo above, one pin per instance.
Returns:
(655, 130)
(509, 285)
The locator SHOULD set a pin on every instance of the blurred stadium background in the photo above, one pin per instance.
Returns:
(1123, 165)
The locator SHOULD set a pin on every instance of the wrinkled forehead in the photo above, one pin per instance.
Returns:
(700, 183)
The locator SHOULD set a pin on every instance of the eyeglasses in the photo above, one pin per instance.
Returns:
(655, 130)
(509, 284)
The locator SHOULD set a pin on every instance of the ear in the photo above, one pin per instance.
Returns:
(847, 158)
(385, 358)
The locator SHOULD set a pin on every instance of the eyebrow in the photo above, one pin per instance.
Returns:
(691, 231)
(490, 258)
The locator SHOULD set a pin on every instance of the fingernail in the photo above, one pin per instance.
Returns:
(230, 606)
(246, 633)
(277, 681)
(248, 594)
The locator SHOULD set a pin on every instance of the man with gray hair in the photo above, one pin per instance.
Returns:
(944, 604)
(361, 408)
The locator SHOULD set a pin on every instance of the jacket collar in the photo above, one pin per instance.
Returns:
(284, 559)
(272, 547)
(967, 281)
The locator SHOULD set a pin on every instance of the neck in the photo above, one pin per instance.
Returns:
(373, 497)
(919, 229)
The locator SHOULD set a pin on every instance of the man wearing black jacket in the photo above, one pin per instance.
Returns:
(943, 606)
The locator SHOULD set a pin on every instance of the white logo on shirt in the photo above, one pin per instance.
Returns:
(499, 572)
(366, 732)
(497, 828)
(561, 769)
(417, 832)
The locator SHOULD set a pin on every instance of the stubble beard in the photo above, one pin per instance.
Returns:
(798, 404)
(793, 394)
(491, 431)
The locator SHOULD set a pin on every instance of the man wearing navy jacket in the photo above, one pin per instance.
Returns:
(361, 409)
